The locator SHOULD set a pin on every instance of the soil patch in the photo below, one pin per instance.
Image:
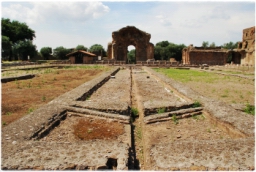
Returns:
(22, 97)
(76, 128)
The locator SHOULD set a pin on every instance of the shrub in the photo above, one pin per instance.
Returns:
(196, 104)
(135, 112)
(161, 110)
(249, 109)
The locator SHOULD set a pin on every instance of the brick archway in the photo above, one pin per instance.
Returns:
(130, 35)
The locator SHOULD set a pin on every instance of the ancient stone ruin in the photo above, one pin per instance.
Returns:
(46, 139)
(199, 55)
(130, 35)
(244, 54)
(246, 48)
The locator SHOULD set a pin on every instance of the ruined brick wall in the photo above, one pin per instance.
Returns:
(150, 51)
(130, 35)
(208, 57)
(247, 47)
(198, 55)
(109, 51)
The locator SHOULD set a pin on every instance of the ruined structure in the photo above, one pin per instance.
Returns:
(244, 54)
(199, 55)
(81, 56)
(246, 48)
(130, 35)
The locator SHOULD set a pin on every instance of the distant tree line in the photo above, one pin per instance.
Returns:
(17, 44)
(230, 45)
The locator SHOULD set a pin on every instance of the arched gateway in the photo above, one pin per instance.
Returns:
(130, 35)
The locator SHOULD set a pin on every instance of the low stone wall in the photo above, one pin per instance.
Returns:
(9, 79)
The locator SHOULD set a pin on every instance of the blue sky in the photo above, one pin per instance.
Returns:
(72, 23)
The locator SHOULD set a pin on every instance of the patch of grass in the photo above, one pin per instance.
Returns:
(30, 110)
(87, 98)
(43, 98)
(202, 116)
(135, 112)
(4, 123)
(249, 109)
(196, 104)
(175, 120)
(186, 76)
(208, 130)
(161, 110)
(8, 113)
(29, 84)
(139, 133)
(224, 95)
(17, 84)
(195, 117)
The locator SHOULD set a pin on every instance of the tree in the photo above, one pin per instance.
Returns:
(6, 47)
(205, 44)
(212, 45)
(61, 52)
(81, 47)
(165, 50)
(131, 56)
(46, 52)
(23, 49)
(230, 45)
(16, 32)
(162, 44)
(98, 50)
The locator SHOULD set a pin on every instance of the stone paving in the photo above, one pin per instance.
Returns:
(108, 96)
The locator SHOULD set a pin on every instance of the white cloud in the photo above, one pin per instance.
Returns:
(165, 21)
(55, 11)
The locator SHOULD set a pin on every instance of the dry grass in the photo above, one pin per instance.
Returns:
(24, 96)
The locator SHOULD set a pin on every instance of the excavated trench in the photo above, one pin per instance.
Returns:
(142, 110)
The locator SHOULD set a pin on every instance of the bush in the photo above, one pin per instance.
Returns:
(249, 109)
(135, 112)
(196, 104)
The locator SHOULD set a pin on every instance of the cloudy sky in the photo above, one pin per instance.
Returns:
(72, 23)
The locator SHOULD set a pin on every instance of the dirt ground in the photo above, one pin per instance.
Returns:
(24, 96)
(78, 128)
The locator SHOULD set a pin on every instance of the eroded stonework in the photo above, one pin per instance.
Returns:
(127, 36)
(247, 47)
(199, 55)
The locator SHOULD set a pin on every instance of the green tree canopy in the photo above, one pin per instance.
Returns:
(16, 32)
(98, 50)
(165, 50)
(61, 52)
(46, 52)
(131, 56)
(6, 47)
(205, 44)
(23, 49)
(212, 45)
(81, 47)
(230, 45)
(163, 44)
